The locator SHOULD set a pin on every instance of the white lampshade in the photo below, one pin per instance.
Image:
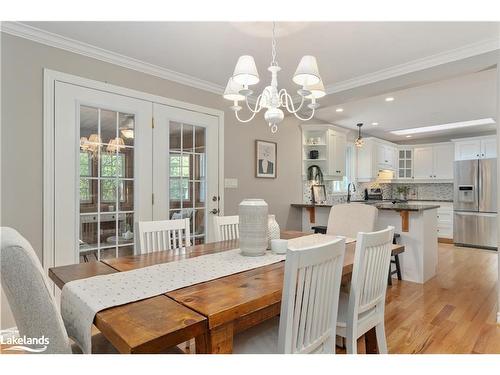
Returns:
(307, 73)
(317, 90)
(232, 91)
(245, 72)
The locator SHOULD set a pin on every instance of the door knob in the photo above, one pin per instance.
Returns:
(215, 211)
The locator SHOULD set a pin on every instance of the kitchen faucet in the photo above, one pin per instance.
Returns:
(349, 191)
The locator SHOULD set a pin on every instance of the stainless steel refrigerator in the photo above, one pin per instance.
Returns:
(475, 203)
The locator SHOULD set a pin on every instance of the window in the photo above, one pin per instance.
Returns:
(341, 185)
(179, 177)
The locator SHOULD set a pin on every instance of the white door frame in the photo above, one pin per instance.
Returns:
(50, 77)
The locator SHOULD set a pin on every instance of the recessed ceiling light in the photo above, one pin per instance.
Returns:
(451, 125)
(408, 136)
(389, 99)
(339, 110)
(374, 123)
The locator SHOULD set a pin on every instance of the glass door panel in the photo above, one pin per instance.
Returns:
(182, 186)
(106, 183)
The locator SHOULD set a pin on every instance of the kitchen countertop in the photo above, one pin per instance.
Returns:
(380, 206)
(405, 207)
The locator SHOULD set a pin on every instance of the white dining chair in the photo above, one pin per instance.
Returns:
(363, 308)
(350, 218)
(307, 322)
(226, 228)
(163, 235)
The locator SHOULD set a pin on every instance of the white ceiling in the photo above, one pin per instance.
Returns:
(209, 50)
(468, 97)
(347, 52)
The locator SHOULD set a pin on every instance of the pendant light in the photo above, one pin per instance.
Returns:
(359, 141)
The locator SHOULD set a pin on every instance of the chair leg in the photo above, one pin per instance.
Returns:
(398, 267)
(381, 342)
(351, 344)
(389, 279)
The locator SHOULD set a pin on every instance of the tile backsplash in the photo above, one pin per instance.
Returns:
(434, 191)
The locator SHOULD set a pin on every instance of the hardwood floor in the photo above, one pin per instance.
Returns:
(455, 312)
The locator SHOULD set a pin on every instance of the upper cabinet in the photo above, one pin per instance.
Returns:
(336, 153)
(324, 146)
(475, 148)
(433, 162)
(405, 163)
(375, 156)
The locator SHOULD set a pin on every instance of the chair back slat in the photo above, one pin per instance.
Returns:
(226, 228)
(370, 269)
(313, 271)
(163, 235)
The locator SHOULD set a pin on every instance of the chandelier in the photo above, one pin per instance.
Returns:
(271, 99)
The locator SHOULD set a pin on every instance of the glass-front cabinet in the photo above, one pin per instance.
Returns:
(405, 163)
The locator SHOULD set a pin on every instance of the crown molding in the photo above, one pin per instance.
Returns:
(461, 53)
(54, 40)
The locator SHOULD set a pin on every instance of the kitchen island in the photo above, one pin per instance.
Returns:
(417, 225)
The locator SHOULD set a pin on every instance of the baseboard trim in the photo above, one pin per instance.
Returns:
(445, 240)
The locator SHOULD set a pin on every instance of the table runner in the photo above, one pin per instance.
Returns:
(82, 299)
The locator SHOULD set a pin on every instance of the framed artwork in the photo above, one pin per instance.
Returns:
(318, 194)
(265, 159)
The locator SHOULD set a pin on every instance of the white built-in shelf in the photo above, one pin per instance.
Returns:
(314, 159)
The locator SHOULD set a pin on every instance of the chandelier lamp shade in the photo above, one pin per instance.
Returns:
(272, 99)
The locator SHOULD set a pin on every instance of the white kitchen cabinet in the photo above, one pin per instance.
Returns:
(423, 163)
(443, 159)
(375, 156)
(489, 148)
(444, 217)
(475, 148)
(336, 153)
(434, 162)
(386, 156)
(405, 163)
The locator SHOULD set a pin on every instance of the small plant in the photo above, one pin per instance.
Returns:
(403, 191)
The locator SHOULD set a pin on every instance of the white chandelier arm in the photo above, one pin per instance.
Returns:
(305, 119)
(257, 107)
(248, 120)
(290, 107)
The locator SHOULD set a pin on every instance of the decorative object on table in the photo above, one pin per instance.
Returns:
(402, 192)
(359, 142)
(314, 174)
(318, 194)
(271, 99)
(273, 229)
(265, 159)
(279, 246)
(253, 227)
(313, 154)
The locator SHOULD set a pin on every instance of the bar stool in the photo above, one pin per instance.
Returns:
(319, 229)
(395, 261)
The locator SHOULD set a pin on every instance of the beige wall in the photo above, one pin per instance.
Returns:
(21, 142)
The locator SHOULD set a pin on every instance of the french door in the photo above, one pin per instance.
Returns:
(113, 167)
(185, 174)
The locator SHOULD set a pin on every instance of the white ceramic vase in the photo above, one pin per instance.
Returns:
(273, 230)
(253, 227)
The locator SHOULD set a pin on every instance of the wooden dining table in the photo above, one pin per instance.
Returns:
(212, 312)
